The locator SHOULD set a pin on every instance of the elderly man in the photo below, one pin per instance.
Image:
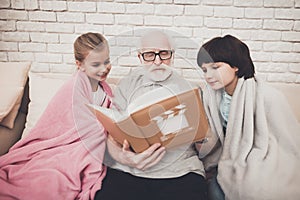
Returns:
(156, 173)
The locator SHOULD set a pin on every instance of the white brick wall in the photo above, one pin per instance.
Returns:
(43, 31)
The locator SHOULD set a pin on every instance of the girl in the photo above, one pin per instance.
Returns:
(254, 150)
(61, 158)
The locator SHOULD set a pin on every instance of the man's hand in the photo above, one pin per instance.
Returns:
(141, 161)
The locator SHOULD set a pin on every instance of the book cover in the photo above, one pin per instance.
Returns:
(171, 119)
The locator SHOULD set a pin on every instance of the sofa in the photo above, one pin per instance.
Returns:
(36, 89)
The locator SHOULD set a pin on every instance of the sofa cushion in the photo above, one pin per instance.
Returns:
(12, 82)
(42, 87)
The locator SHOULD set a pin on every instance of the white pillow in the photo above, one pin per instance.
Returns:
(12, 81)
(9, 97)
(42, 87)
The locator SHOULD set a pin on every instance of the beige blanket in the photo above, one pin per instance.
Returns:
(261, 150)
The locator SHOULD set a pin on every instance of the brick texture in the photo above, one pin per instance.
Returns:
(43, 31)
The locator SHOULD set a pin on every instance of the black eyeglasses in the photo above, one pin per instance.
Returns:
(151, 55)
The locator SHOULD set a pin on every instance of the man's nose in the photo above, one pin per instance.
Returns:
(157, 60)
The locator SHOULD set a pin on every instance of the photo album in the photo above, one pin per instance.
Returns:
(159, 116)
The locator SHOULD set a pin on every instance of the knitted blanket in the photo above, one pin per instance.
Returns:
(260, 158)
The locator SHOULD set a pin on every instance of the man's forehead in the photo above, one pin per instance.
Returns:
(156, 45)
(155, 41)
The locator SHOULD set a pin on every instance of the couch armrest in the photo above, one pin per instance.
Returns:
(9, 137)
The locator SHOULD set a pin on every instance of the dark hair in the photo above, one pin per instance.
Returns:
(87, 42)
(230, 50)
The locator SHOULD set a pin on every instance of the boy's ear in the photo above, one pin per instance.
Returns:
(236, 70)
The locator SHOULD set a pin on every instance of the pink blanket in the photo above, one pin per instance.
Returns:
(61, 158)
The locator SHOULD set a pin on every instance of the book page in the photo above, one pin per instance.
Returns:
(153, 97)
(113, 114)
(172, 121)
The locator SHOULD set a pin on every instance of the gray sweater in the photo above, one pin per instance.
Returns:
(177, 161)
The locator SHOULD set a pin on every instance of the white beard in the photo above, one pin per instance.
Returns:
(158, 73)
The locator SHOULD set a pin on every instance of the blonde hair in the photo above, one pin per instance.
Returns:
(88, 42)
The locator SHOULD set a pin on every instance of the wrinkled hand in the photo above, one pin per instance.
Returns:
(141, 161)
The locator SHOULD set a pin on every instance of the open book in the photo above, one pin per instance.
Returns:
(159, 116)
